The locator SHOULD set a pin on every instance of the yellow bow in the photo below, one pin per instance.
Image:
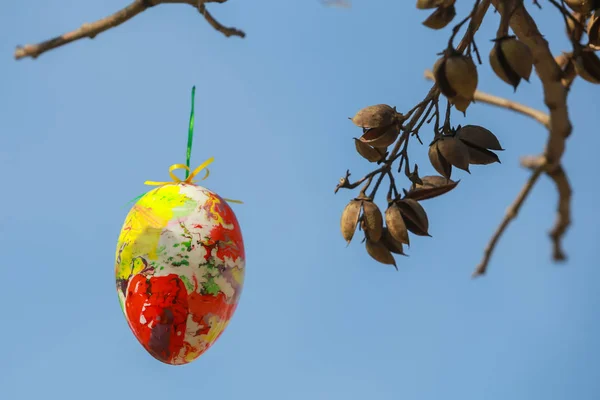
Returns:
(190, 179)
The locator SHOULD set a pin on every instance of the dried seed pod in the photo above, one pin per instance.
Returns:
(377, 116)
(511, 60)
(381, 137)
(391, 244)
(582, 6)
(453, 151)
(479, 142)
(395, 224)
(440, 17)
(432, 186)
(373, 220)
(428, 4)
(457, 76)
(587, 65)
(414, 216)
(480, 156)
(478, 136)
(349, 220)
(380, 253)
(370, 153)
(593, 29)
(439, 162)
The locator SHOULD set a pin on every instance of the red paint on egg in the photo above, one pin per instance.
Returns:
(157, 309)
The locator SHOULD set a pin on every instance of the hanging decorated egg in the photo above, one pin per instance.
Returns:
(179, 269)
(180, 265)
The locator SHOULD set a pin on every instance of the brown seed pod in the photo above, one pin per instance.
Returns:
(373, 220)
(350, 217)
(380, 253)
(395, 224)
(511, 60)
(370, 153)
(441, 17)
(428, 4)
(377, 116)
(479, 142)
(414, 216)
(432, 186)
(439, 74)
(587, 65)
(454, 152)
(381, 137)
(461, 75)
(478, 136)
(593, 29)
(456, 77)
(439, 162)
(480, 156)
(581, 6)
(391, 244)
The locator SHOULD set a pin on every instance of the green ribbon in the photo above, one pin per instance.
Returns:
(189, 176)
(188, 153)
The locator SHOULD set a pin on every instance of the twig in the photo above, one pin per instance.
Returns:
(559, 126)
(549, 72)
(501, 102)
(415, 114)
(511, 214)
(538, 165)
(91, 30)
(457, 27)
(567, 14)
(476, 19)
(216, 24)
(563, 211)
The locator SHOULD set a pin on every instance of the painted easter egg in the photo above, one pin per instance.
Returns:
(179, 270)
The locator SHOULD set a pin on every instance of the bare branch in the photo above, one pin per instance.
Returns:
(216, 24)
(555, 97)
(91, 30)
(501, 102)
(563, 212)
(511, 214)
(549, 72)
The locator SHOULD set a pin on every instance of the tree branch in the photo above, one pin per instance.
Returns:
(563, 212)
(479, 11)
(511, 214)
(549, 72)
(501, 102)
(216, 24)
(91, 30)
(555, 97)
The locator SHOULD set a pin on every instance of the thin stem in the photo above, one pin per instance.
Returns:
(511, 214)
(91, 30)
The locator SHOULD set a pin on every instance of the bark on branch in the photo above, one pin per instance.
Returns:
(91, 30)
(549, 72)
(559, 128)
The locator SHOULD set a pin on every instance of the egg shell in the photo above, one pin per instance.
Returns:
(179, 270)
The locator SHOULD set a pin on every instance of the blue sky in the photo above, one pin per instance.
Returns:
(84, 126)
